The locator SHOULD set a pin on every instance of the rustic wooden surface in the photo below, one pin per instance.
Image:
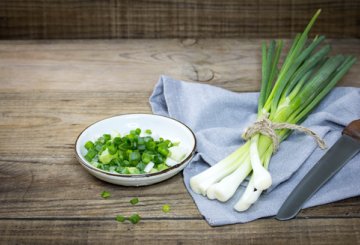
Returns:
(51, 90)
(74, 19)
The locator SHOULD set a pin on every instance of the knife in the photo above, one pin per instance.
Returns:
(334, 159)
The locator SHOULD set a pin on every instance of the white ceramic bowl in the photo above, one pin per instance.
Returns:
(165, 127)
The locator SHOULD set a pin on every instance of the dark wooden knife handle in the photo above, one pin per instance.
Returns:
(353, 130)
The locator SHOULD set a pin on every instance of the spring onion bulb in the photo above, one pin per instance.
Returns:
(262, 178)
(201, 182)
(287, 95)
(226, 188)
(252, 194)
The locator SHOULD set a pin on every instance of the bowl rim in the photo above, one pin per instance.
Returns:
(89, 166)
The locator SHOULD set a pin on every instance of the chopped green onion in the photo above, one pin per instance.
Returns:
(105, 194)
(117, 141)
(162, 166)
(131, 153)
(146, 157)
(150, 145)
(141, 166)
(120, 218)
(153, 170)
(158, 159)
(90, 154)
(166, 208)
(163, 151)
(106, 157)
(125, 171)
(141, 141)
(133, 170)
(134, 201)
(112, 149)
(135, 218)
(98, 146)
(107, 137)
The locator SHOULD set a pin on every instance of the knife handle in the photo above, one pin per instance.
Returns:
(353, 130)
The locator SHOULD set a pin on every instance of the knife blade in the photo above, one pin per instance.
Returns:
(334, 159)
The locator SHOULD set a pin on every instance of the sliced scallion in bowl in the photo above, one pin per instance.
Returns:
(133, 153)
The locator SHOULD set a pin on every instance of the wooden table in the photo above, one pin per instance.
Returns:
(51, 90)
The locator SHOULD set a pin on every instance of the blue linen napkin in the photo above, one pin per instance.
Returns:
(218, 117)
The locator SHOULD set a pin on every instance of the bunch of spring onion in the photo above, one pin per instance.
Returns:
(287, 95)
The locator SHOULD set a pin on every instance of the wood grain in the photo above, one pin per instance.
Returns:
(135, 65)
(162, 231)
(51, 90)
(74, 19)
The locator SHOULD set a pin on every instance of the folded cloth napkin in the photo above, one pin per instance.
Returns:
(218, 117)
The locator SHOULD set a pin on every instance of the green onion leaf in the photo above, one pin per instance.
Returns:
(89, 145)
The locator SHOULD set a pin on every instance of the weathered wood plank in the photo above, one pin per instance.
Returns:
(314, 231)
(135, 65)
(64, 189)
(35, 19)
